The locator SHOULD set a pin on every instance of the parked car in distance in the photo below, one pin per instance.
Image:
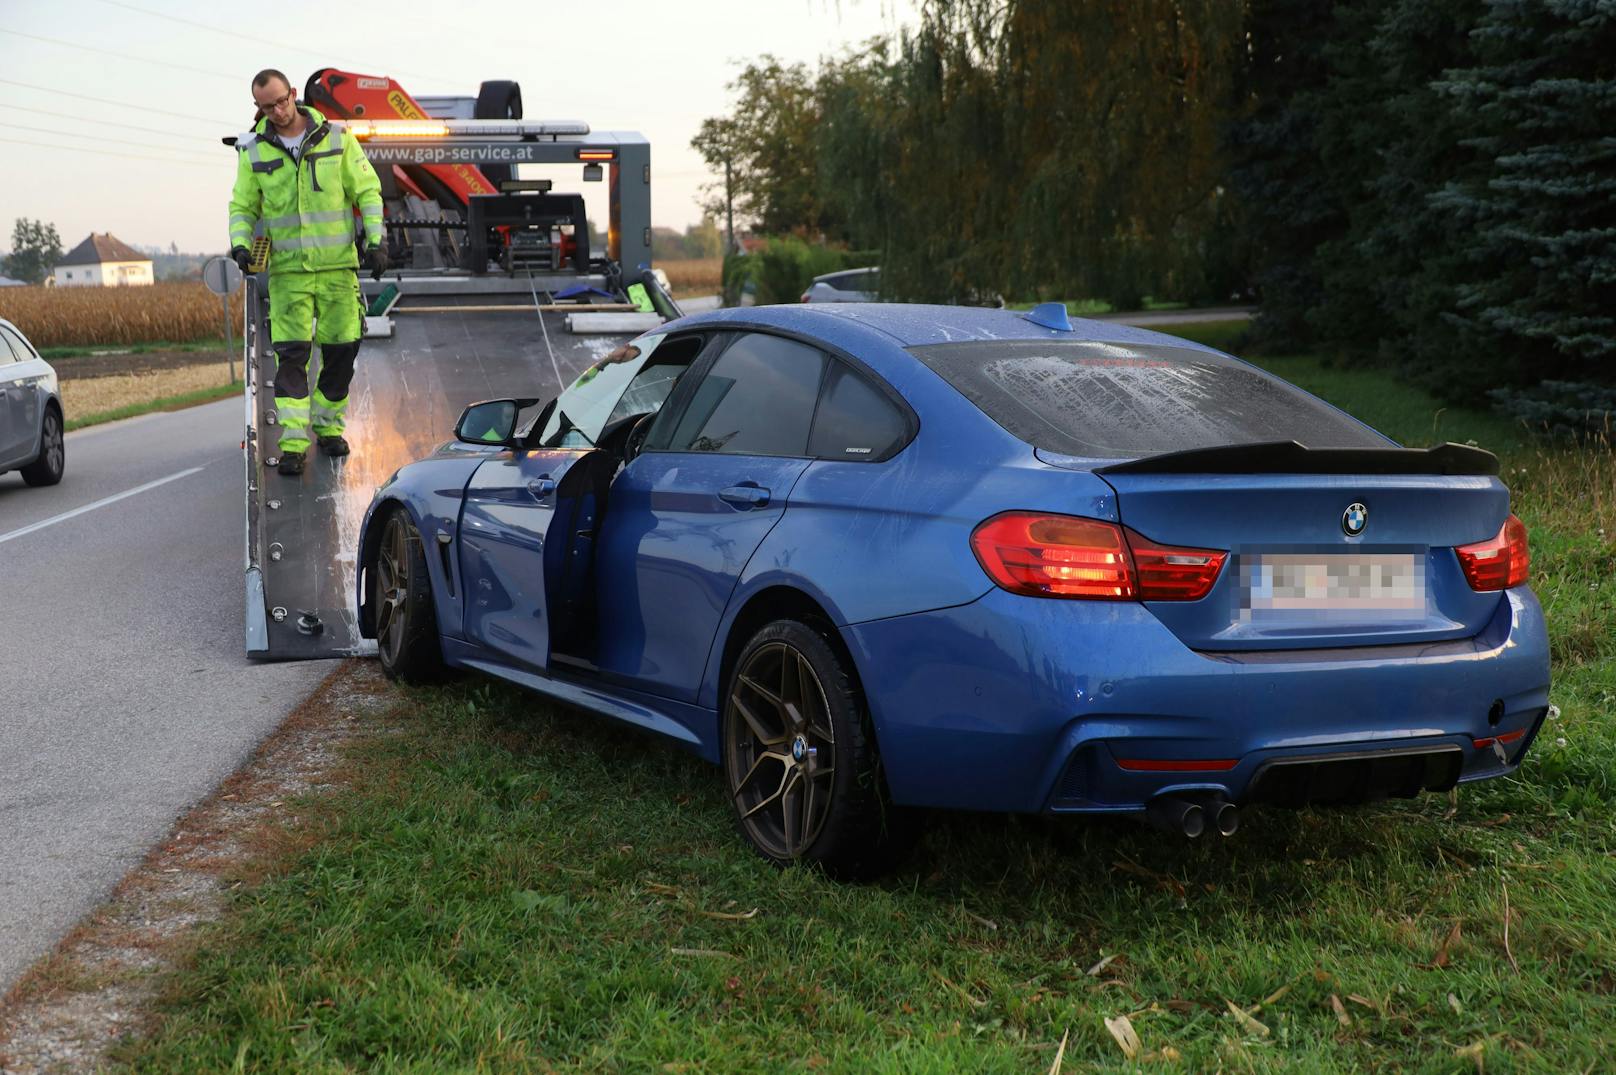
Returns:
(881, 557)
(849, 285)
(864, 285)
(31, 421)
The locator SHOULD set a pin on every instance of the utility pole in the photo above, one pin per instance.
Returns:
(729, 207)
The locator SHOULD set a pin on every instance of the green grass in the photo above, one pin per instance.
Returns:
(505, 887)
(163, 403)
(52, 354)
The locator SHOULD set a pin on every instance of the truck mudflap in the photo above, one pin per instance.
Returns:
(450, 346)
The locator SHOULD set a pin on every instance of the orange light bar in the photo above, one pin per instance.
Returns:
(597, 154)
(396, 128)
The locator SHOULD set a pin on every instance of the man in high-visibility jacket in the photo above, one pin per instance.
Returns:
(298, 181)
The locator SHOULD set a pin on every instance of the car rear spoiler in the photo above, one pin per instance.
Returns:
(1290, 457)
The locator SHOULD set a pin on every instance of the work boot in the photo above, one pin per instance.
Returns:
(334, 445)
(291, 464)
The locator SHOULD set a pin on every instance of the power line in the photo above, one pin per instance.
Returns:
(102, 122)
(165, 64)
(254, 38)
(171, 161)
(118, 104)
(196, 155)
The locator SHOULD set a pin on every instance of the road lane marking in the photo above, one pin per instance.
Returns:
(103, 502)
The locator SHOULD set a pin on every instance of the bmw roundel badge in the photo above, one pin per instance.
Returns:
(1354, 519)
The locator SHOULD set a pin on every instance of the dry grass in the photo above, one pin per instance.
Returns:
(71, 316)
(694, 276)
(83, 397)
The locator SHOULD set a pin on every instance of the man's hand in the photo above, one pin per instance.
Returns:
(378, 261)
(241, 257)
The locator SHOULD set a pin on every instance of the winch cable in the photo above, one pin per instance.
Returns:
(534, 288)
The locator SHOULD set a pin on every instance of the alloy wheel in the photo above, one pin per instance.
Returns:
(54, 450)
(393, 588)
(782, 750)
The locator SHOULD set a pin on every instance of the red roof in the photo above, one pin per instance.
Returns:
(100, 248)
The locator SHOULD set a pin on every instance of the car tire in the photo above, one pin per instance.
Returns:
(406, 621)
(52, 461)
(789, 704)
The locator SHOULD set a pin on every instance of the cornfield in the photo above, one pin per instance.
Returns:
(694, 276)
(91, 316)
(180, 312)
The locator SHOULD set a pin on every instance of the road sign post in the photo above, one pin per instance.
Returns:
(222, 276)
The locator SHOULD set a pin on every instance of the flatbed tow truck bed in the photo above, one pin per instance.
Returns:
(408, 390)
(481, 313)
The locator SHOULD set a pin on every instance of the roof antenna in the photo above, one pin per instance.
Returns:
(1050, 315)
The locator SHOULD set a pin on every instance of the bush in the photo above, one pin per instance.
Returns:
(1562, 409)
(784, 268)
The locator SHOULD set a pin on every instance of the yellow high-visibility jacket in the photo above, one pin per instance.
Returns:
(305, 206)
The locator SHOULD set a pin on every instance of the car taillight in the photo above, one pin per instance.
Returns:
(1043, 555)
(1499, 562)
(1173, 574)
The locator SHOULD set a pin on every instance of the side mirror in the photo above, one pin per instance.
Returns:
(491, 423)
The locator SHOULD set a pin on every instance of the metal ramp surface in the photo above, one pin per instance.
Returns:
(455, 341)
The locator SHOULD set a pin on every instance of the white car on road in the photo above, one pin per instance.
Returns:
(31, 422)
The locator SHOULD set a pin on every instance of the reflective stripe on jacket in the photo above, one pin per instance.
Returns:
(305, 206)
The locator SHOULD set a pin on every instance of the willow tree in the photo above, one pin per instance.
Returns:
(1036, 146)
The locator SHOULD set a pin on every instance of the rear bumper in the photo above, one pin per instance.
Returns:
(1028, 705)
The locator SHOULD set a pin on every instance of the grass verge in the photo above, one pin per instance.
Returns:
(503, 886)
(160, 403)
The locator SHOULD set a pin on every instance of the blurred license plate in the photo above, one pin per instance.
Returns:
(1352, 581)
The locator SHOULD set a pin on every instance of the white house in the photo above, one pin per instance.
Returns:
(103, 261)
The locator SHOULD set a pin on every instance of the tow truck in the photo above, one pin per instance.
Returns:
(498, 292)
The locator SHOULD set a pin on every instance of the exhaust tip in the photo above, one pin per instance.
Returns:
(1172, 814)
(1227, 819)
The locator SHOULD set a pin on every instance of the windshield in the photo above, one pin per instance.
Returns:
(627, 381)
(1084, 398)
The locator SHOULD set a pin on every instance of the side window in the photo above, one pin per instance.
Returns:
(757, 399)
(634, 379)
(25, 350)
(11, 349)
(855, 421)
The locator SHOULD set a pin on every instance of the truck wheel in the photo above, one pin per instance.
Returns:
(406, 622)
(47, 469)
(800, 759)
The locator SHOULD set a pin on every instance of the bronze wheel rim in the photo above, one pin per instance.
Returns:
(782, 750)
(392, 589)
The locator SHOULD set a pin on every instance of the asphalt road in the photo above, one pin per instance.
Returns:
(124, 694)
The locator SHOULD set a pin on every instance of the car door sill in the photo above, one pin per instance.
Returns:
(591, 699)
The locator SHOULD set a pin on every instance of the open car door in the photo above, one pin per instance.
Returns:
(526, 535)
(530, 523)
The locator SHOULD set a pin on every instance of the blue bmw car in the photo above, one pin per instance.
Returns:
(872, 558)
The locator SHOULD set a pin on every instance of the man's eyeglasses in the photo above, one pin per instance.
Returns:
(276, 103)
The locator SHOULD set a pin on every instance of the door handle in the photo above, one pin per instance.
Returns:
(541, 488)
(746, 496)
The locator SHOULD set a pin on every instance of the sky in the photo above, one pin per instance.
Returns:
(111, 111)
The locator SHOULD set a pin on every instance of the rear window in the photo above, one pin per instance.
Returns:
(1099, 399)
(854, 281)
